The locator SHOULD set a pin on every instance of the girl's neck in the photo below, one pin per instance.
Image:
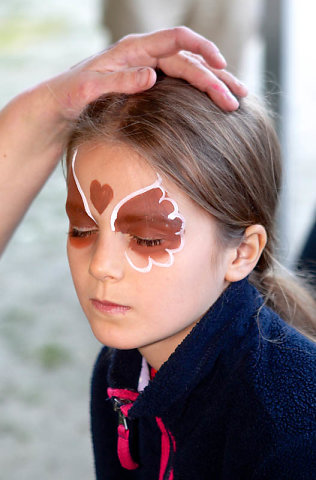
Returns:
(158, 353)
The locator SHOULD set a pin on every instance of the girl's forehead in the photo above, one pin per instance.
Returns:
(120, 167)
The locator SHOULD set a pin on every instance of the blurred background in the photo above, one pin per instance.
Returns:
(46, 347)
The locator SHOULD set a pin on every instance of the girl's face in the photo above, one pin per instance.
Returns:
(142, 254)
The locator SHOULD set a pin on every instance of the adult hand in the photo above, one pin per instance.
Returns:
(128, 67)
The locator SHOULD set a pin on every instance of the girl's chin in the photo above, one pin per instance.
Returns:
(116, 342)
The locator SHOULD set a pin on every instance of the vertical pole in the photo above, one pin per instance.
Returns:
(273, 37)
(275, 31)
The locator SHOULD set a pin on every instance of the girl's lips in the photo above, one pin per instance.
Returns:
(108, 307)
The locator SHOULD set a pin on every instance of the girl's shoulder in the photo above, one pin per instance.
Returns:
(282, 372)
(277, 340)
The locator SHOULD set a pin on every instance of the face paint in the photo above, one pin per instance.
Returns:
(81, 226)
(100, 196)
(85, 202)
(148, 216)
(153, 222)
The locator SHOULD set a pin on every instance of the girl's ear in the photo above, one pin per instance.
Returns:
(245, 256)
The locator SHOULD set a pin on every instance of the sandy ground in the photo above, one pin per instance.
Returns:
(46, 347)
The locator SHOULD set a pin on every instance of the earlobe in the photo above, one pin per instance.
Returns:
(245, 256)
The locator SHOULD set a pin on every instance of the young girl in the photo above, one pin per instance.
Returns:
(172, 206)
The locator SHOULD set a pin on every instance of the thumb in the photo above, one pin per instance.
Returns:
(87, 86)
(128, 81)
(132, 80)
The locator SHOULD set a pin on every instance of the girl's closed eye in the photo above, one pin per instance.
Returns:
(81, 237)
(76, 232)
(147, 242)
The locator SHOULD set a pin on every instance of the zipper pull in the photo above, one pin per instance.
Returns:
(123, 450)
(117, 408)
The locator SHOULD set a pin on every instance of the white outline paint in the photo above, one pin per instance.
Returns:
(85, 202)
(171, 216)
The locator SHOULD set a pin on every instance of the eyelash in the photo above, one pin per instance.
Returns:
(76, 233)
(147, 242)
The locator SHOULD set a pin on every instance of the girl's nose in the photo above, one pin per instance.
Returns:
(108, 259)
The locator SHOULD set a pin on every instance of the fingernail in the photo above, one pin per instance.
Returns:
(221, 58)
(233, 100)
(244, 88)
(241, 84)
(143, 76)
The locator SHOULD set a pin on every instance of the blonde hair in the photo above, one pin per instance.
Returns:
(228, 163)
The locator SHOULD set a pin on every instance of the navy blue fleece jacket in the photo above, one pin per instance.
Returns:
(238, 396)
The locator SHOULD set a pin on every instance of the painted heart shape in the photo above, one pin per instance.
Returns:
(101, 195)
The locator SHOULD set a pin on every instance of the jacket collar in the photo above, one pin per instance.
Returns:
(194, 358)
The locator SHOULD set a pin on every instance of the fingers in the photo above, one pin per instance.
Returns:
(146, 49)
(218, 84)
(168, 42)
(235, 86)
(128, 81)
(178, 51)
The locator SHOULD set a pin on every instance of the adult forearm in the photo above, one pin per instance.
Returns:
(32, 138)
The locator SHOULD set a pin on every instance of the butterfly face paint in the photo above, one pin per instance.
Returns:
(154, 225)
(149, 219)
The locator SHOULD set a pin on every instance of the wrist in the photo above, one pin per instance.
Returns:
(33, 123)
(45, 116)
